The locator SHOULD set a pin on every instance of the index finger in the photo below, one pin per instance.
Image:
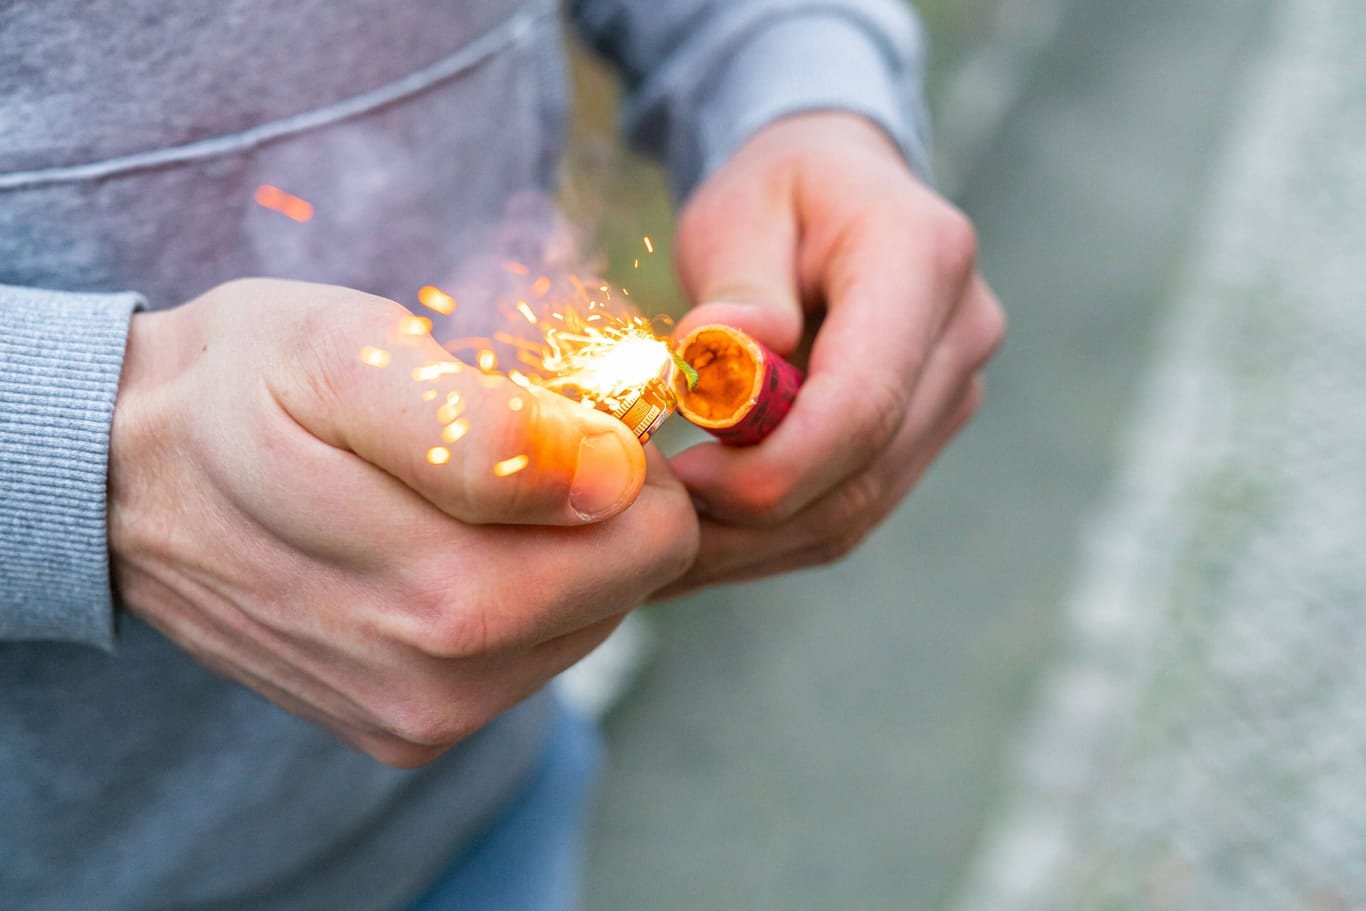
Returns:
(890, 291)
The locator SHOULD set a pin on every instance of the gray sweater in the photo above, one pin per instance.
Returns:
(131, 138)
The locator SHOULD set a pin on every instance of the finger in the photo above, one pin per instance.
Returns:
(568, 578)
(829, 529)
(481, 448)
(890, 297)
(944, 400)
(737, 261)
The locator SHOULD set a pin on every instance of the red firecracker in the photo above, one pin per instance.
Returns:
(743, 389)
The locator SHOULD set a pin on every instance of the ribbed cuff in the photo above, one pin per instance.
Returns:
(861, 56)
(60, 358)
(807, 63)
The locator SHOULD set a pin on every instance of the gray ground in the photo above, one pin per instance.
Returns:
(836, 739)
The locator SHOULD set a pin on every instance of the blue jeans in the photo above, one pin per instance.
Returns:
(532, 857)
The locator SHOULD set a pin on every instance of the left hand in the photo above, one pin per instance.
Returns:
(817, 225)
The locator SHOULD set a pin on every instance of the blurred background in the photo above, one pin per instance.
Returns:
(1107, 655)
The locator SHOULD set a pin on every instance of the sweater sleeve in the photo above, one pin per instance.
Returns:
(61, 354)
(704, 75)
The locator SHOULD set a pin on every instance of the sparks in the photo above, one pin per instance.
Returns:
(455, 430)
(438, 455)
(430, 372)
(510, 466)
(287, 204)
(649, 244)
(415, 325)
(434, 298)
(375, 357)
(515, 403)
(527, 313)
(449, 412)
(487, 360)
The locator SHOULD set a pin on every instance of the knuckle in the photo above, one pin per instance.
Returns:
(431, 719)
(400, 754)
(837, 548)
(446, 627)
(858, 504)
(459, 635)
(879, 411)
(956, 241)
(682, 547)
(989, 332)
(769, 499)
(972, 401)
(325, 334)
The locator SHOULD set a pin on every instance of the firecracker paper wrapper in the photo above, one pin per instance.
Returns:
(743, 390)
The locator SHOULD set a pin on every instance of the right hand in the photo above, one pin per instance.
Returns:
(272, 511)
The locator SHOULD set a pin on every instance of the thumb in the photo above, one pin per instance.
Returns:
(737, 243)
(481, 448)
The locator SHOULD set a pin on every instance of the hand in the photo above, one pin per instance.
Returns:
(272, 510)
(816, 225)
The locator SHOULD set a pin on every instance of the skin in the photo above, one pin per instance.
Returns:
(816, 234)
(272, 512)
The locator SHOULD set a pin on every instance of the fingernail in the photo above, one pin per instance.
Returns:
(602, 478)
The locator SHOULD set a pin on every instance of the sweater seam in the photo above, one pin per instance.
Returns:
(510, 32)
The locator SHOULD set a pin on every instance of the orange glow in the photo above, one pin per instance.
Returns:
(542, 286)
(510, 466)
(515, 403)
(428, 395)
(286, 204)
(375, 357)
(515, 267)
(435, 299)
(415, 325)
(430, 372)
(438, 455)
(455, 430)
(449, 412)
